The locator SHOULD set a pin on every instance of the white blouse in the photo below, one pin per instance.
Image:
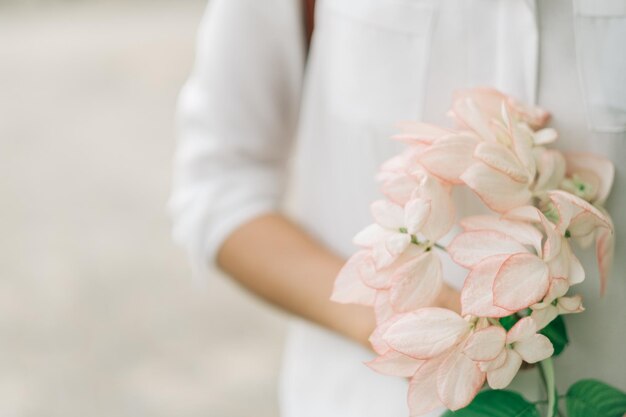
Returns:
(255, 119)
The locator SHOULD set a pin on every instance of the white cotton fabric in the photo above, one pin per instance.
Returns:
(255, 119)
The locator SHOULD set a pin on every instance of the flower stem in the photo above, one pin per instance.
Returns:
(438, 246)
(546, 368)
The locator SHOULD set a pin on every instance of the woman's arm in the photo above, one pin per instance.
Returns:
(237, 117)
(278, 261)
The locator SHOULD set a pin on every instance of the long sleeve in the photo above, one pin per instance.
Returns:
(237, 115)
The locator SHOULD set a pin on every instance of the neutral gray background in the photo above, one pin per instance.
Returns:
(98, 314)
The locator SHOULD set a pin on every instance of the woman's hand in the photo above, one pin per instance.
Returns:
(278, 261)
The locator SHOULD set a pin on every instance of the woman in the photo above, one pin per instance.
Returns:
(258, 111)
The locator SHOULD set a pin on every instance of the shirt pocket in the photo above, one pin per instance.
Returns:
(375, 54)
(600, 31)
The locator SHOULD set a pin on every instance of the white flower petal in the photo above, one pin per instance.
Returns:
(535, 348)
(523, 329)
(427, 332)
(485, 344)
(522, 281)
(417, 283)
(388, 214)
(501, 377)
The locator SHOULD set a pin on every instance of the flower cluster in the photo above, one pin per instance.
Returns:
(519, 258)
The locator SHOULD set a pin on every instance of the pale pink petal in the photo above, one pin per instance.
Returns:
(523, 329)
(534, 349)
(534, 215)
(605, 250)
(485, 344)
(490, 102)
(523, 232)
(348, 287)
(497, 190)
(377, 340)
(501, 158)
(558, 288)
(554, 240)
(469, 114)
(381, 256)
(399, 188)
(523, 280)
(427, 332)
(570, 305)
(477, 293)
(545, 136)
(373, 278)
(416, 212)
(559, 265)
(422, 397)
(370, 236)
(494, 364)
(585, 223)
(524, 214)
(501, 377)
(470, 248)
(487, 99)
(576, 270)
(449, 157)
(441, 217)
(551, 167)
(417, 283)
(458, 380)
(522, 138)
(544, 316)
(397, 243)
(536, 117)
(601, 167)
(576, 215)
(395, 364)
(380, 278)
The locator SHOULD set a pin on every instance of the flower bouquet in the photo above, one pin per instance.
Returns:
(522, 268)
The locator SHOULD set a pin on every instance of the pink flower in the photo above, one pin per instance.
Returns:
(445, 375)
(349, 287)
(427, 332)
(555, 303)
(579, 219)
(411, 281)
(403, 180)
(394, 229)
(589, 177)
(446, 154)
(500, 353)
(509, 270)
(511, 167)
(477, 107)
(518, 259)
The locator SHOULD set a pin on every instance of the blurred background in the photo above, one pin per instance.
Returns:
(98, 312)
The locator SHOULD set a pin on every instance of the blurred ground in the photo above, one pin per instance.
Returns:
(98, 314)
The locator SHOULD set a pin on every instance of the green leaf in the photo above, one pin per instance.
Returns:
(509, 321)
(497, 403)
(556, 332)
(591, 398)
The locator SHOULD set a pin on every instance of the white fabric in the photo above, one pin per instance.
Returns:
(249, 118)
